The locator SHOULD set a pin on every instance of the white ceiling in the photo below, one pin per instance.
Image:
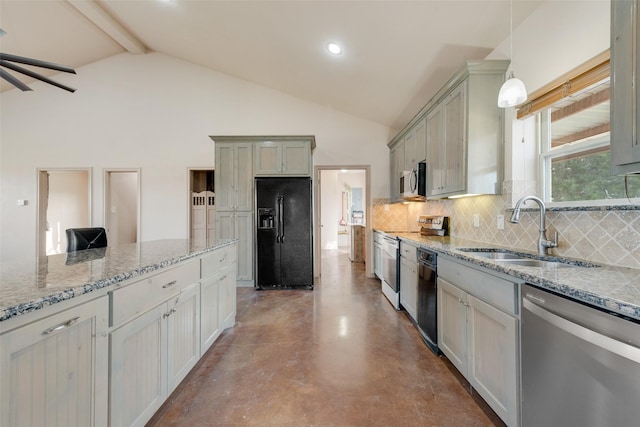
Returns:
(397, 54)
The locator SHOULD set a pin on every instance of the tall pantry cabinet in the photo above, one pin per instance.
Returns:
(234, 201)
(239, 159)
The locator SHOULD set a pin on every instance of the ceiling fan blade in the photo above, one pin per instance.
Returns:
(34, 75)
(17, 83)
(36, 63)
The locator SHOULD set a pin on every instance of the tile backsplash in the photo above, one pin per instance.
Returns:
(601, 236)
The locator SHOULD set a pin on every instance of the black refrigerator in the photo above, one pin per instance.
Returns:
(284, 224)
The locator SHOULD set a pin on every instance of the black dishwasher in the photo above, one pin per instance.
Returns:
(428, 298)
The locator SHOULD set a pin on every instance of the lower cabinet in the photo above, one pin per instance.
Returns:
(218, 304)
(55, 370)
(481, 339)
(409, 279)
(151, 354)
(377, 254)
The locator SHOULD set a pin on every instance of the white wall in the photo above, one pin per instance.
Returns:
(556, 38)
(154, 112)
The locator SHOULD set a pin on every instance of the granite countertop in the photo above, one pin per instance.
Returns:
(615, 289)
(25, 288)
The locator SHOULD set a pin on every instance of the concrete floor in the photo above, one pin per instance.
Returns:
(339, 355)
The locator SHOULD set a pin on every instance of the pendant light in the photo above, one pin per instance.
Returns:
(513, 92)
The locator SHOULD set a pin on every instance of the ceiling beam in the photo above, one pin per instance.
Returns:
(96, 14)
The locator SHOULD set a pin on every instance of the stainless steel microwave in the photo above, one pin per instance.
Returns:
(413, 183)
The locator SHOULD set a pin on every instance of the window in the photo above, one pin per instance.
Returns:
(573, 114)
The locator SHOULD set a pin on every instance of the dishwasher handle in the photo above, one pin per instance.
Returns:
(618, 347)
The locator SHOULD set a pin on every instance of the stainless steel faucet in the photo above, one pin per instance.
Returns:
(543, 243)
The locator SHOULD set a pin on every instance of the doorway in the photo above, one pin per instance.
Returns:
(64, 201)
(201, 221)
(342, 211)
(122, 205)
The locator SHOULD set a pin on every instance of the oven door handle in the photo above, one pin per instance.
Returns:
(609, 344)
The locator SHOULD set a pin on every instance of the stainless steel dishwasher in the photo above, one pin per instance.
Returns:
(580, 365)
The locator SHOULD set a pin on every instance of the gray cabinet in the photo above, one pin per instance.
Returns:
(461, 131)
(397, 165)
(377, 254)
(409, 279)
(415, 145)
(478, 332)
(234, 176)
(625, 87)
(55, 369)
(234, 201)
(283, 158)
(446, 144)
(465, 133)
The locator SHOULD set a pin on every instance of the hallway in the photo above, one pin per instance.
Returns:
(339, 355)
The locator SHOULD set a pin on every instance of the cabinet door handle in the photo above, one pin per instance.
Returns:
(61, 326)
(170, 312)
(168, 285)
(222, 259)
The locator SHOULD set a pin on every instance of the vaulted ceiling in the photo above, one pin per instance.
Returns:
(397, 53)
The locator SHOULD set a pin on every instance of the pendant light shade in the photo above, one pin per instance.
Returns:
(512, 93)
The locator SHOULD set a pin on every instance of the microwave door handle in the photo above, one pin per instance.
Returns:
(413, 180)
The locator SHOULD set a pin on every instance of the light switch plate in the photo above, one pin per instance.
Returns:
(500, 222)
(476, 220)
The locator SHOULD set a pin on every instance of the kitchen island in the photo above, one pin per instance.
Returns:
(81, 333)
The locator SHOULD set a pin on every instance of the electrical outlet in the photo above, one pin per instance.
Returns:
(476, 220)
(500, 222)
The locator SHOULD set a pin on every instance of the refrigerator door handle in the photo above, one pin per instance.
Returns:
(277, 219)
(282, 219)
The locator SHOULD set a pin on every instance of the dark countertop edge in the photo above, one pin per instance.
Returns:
(598, 301)
(10, 312)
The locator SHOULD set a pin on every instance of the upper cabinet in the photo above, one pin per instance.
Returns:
(465, 133)
(407, 149)
(415, 145)
(283, 158)
(397, 166)
(446, 157)
(625, 92)
(461, 130)
(234, 176)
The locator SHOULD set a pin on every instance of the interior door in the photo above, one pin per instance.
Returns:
(64, 201)
(122, 195)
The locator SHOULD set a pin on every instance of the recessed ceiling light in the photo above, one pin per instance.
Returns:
(334, 48)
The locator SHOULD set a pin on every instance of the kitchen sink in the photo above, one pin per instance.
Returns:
(536, 263)
(528, 260)
(496, 255)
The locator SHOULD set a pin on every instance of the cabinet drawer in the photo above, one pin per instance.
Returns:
(140, 296)
(498, 292)
(214, 261)
(409, 252)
